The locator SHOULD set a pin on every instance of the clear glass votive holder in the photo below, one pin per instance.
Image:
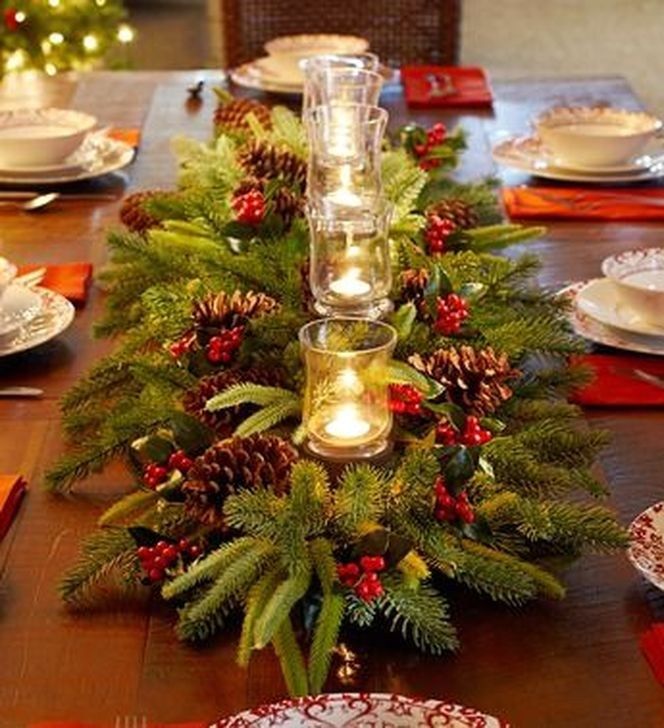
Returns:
(350, 272)
(346, 401)
(329, 85)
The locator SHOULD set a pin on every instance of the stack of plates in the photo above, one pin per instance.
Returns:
(98, 155)
(263, 74)
(599, 315)
(528, 154)
(31, 316)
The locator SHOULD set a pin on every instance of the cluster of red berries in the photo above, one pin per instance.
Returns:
(249, 207)
(435, 137)
(436, 233)
(363, 577)
(472, 434)
(156, 559)
(220, 349)
(155, 474)
(405, 399)
(451, 312)
(448, 508)
(11, 20)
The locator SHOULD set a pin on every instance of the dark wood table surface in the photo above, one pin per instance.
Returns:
(573, 663)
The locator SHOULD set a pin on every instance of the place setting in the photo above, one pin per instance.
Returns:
(52, 146)
(597, 145)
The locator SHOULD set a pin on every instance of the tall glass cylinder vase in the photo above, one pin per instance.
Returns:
(346, 402)
(350, 271)
(326, 84)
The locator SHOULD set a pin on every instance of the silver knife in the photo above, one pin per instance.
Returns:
(21, 392)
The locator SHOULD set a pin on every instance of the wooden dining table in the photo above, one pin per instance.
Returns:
(570, 663)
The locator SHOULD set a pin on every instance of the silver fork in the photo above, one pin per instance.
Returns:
(131, 721)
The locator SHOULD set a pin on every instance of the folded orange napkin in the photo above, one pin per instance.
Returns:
(129, 136)
(652, 646)
(70, 280)
(12, 490)
(581, 203)
(468, 86)
(616, 384)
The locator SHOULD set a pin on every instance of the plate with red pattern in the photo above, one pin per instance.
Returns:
(646, 548)
(361, 710)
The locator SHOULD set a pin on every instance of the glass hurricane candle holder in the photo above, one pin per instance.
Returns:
(344, 156)
(350, 271)
(329, 85)
(346, 402)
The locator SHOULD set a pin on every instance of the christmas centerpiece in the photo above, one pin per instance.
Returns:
(311, 473)
(58, 35)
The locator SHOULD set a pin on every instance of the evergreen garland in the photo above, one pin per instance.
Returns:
(303, 551)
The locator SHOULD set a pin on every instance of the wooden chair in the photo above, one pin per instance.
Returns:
(400, 31)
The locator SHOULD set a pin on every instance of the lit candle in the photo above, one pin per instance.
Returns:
(344, 195)
(347, 424)
(350, 285)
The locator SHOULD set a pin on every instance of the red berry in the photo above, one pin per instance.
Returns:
(436, 233)
(372, 563)
(364, 591)
(405, 399)
(155, 574)
(170, 553)
(144, 553)
(11, 20)
(183, 544)
(445, 433)
(195, 551)
(451, 311)
(249, 207)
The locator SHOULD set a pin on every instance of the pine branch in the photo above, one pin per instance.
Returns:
(291, 660)
(359, 498)
(257, 513)
(421, 616)
(130, 505)
(248, 393)
(270, 416)
(257, 599)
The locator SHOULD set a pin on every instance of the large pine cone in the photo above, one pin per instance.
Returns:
(225, 421)
(231, 117)
(224, 311)
(457, 211)
(133, 213)
(229, 466)
(475, 379)
(265, 161)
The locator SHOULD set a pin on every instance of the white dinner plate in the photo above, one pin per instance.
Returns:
(361, 710)
(646, 544)
(55, 315)
(527, 155)
(19, 306)
(103, 156)
(589, 328)
(601, 300)
(250, 75)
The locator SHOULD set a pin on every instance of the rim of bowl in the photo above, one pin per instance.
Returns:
(638, 122)
(325, 42)
(621, 264)
(78, 121)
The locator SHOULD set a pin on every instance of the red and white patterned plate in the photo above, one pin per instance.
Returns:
(360, 710)
(646, 549)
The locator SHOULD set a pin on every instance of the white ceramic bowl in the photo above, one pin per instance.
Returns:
(286, 53)
(39, 137)
(638, 276)
(595, 136)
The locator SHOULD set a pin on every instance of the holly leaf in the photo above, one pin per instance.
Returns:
(146, 536)
(493, 424)
(152, 449)
(402, 320)
(190, 434)
(471, 291)
(453, 412)
(397, 548)
(459, 468)
(238, 230)
(373, 543)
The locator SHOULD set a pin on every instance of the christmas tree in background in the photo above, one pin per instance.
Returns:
(58, 35)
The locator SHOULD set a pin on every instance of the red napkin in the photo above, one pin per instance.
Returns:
(470, 86)
(12, 490)
(615, 383)
(129, 136)
(581, 203)
(71, 280)
(652, 646)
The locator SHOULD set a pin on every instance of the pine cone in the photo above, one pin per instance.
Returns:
(305, 286)
(475, 379)
(230, 466)
(457, 211)
(224, 311)
(266, 161)
(413, 287)
(231, 116)
(133, 214)
(223, 422)
(287, 205)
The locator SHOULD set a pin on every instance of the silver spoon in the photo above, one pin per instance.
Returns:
(36, 203)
